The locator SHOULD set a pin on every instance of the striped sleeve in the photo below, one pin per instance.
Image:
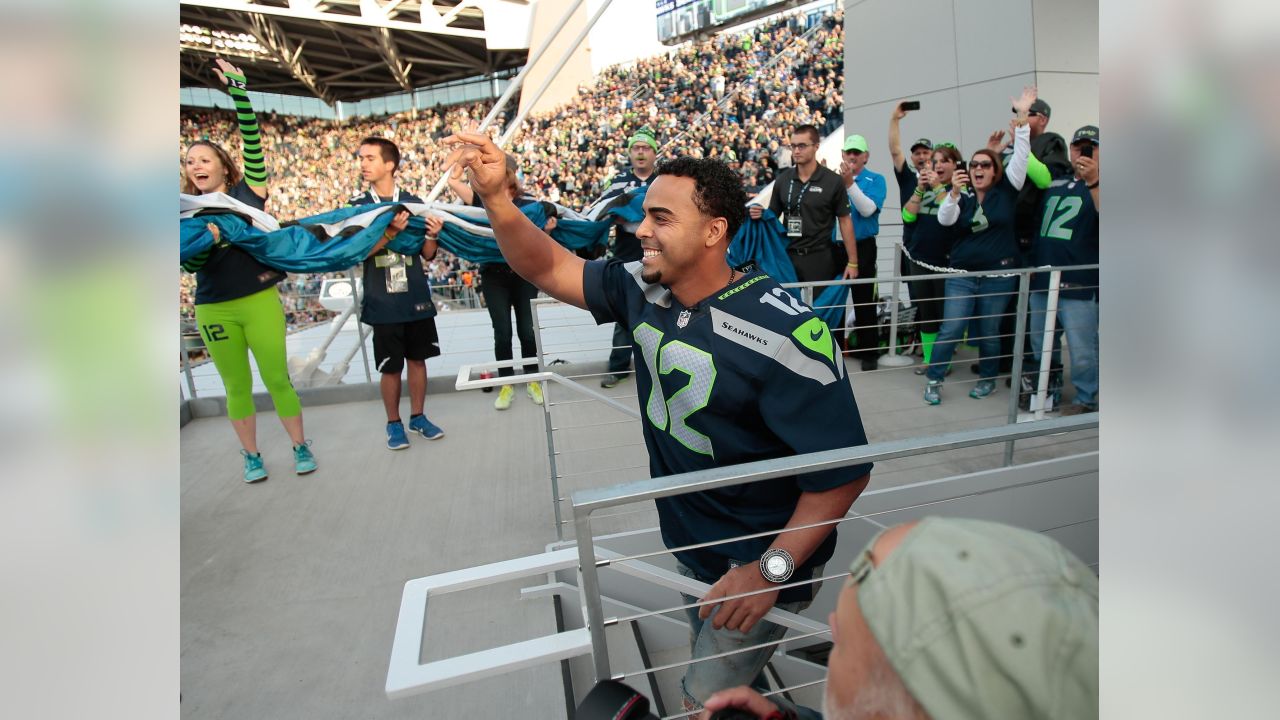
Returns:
(255, 166)
(196, 263)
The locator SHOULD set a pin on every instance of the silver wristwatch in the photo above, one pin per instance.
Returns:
(777, 565)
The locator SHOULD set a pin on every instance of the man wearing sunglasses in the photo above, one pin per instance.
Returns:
(809, 201)
(958, 619)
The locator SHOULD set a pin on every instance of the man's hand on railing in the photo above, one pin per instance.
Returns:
(740, 614)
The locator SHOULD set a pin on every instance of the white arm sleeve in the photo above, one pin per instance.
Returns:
(865, 206)
(1016, 170)
(948, 211)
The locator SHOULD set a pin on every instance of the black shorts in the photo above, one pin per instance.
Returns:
(393, 343)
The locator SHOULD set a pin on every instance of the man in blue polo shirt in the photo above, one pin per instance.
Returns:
(867, 191)
(733, 369)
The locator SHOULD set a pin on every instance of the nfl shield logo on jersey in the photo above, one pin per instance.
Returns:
(683, 319)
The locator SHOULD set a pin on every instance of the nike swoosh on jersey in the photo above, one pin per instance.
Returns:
(815, 335)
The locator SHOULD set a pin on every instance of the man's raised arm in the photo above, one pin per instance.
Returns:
(528, 250)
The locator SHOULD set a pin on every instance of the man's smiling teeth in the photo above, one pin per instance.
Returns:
(649, 252)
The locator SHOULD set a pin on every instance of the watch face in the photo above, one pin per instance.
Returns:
(777, 565)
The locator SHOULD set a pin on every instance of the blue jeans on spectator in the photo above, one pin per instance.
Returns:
(620, 354)
(1079, 319)
(702, 680)
(985, 299)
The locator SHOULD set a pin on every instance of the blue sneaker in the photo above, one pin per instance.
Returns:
(982, 389)
(303, 461)
(396, 439)
(424, 427)
(932, 392)
(253, 469)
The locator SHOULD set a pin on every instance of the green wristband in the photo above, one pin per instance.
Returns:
(235, 80)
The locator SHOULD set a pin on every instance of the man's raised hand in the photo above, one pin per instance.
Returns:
(481, 159)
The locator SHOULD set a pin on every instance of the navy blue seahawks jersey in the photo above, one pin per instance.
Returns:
(1067, 235)
(626, 246)
(396, 287)
(747, 374)
(230, 272)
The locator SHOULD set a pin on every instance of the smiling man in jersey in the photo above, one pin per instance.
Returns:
(732, 370)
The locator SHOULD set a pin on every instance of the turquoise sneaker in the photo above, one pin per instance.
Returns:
(982, 389)
(933, 392)
(253, 469)
(424, 427)
(303, 461)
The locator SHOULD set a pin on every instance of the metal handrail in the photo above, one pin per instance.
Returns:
(406, 675)
(585, 502)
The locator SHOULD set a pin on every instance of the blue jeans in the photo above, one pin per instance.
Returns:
(1079, 319)
(702, 680)
(984, 299)
(620, 353)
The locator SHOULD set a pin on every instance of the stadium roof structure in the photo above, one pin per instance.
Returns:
(349, 50)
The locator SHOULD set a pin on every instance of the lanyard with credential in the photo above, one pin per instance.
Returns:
(395, 195)
(793, 203)
(397, 277)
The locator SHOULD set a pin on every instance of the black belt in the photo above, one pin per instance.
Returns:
(808, 251)
(865, 239)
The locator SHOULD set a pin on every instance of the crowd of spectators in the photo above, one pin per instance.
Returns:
(750, 84)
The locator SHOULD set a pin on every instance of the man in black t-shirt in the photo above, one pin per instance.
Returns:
(809, 201)
(397, 299)
(734, 369)
(907, 174)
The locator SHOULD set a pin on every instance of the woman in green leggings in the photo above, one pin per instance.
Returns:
(237, 306)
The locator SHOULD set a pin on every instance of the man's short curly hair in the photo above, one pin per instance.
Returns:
(717, 189)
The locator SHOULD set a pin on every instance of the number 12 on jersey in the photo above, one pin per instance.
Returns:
(672, 414)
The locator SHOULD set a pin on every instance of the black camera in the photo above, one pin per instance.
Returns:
(612, 700)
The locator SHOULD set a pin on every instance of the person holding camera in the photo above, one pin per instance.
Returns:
(1068, 235)
(906, 171)
(977, 302)
(930, 245)
(734, 369)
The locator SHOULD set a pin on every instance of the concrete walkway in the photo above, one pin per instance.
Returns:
(291, 587)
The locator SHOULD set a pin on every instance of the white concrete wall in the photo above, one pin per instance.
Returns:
(963, 60)
(627, 30)
(563, 87)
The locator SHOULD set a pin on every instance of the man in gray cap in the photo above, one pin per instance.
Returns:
(956, 619)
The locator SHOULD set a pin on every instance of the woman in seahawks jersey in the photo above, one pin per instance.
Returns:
(930, 243)
(989, 243)
(237, 306)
